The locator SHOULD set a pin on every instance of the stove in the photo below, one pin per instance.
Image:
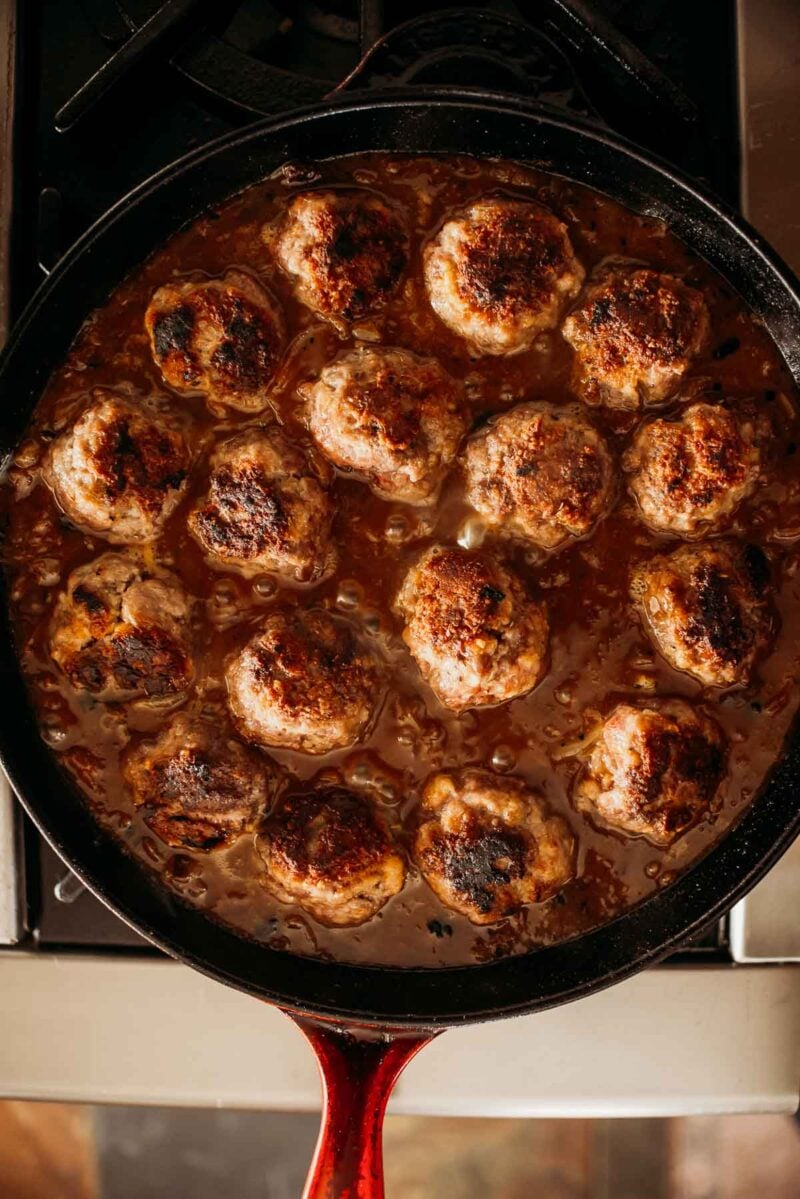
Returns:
(96, 95)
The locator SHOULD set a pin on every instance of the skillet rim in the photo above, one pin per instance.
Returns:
(406, 997)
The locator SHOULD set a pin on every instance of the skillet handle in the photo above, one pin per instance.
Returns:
(359, 1069)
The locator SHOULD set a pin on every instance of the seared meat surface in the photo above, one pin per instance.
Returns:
(500, 272)
(391, 416)
(305, 681)
(654, 770)
(635, 333)
(120, 470)
(331, 851)
(540, 472)
(476, 634)
(345, 251)
(708, 609)
(199, 786)
(223, 337)
(486, 845)
(690, 474)
(267, 507)
(120, 631)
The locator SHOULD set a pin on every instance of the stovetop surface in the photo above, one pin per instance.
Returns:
(234, 61)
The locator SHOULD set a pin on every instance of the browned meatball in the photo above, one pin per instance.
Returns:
(119, 470)
(331, 851)
(120, 631)
(305, 682)
(540, 472)
(477, 636)
(266, 508)
(707, 608)
(344, 251)
(395, 418)
(689, 475)
(499, 272)
(654, 770)
(223, 337)
(635, 333)
(200, 787)
(486, 845)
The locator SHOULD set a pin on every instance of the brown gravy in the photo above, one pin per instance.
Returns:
(599, 652)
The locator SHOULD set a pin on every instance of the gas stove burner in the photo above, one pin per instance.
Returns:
(337, 21)
(266, 58)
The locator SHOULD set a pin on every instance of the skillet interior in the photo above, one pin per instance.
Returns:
(449, 124)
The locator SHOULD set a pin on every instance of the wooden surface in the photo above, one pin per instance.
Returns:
(47, 1152)
(58, 1151)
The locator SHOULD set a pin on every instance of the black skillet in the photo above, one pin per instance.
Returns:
(402, 1007)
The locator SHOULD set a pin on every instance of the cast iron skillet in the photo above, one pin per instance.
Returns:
(409, 1001)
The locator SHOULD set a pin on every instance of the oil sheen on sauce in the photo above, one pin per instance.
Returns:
(599, 653)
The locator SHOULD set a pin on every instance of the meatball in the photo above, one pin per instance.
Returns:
(486, 845)
(331, 851)
(223, 337)
(500, 272)
(689, 475)
(654, 770)
(635, 333)
(540, 472)
(199, 787)
(266, 508)
(391, 416)
(119, 471)
(121, 632)
(707, 609)
(344, 251)
(477, 636)
(304, 682)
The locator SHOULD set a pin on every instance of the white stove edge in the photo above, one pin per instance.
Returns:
(669, 1042)
(676, 1041)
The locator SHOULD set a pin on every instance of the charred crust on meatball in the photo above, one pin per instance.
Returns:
(499, 272)
(122, 630)
(245, 514)
(198, 787)
(476, 861)
(390, 415)
(469, 606)
(267, 506)
(540, 472)
(146, 463)
(172, 334)
(655, 322)
(634, 333)
(709, 609)
(654, 770)
(120, 468)
(511, 257)
(691, 755)
(144, 660)
(331, 832)
(693, 471)
(346, 250)
(306, 681)
(476, 633)
(718, 619)
(222, 336)
(487, 845)
(331, 851)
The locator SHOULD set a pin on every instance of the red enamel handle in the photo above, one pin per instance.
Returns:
(358, 1072)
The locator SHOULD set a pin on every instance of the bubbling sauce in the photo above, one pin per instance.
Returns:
(599, 652)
